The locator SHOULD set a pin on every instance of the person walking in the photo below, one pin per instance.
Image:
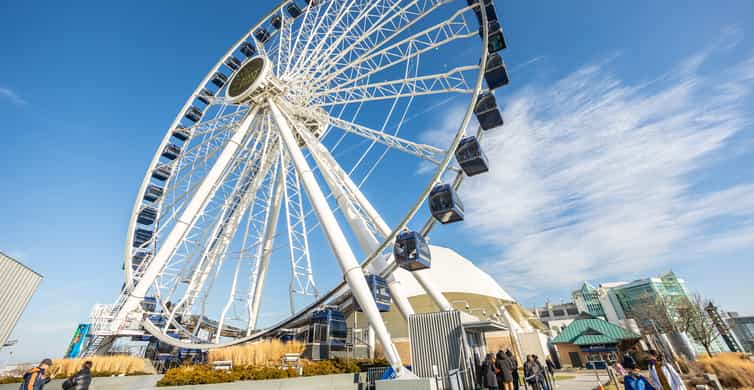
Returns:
(550, 365)
(489, 378)
(635, 381)
(37, 377)
(504, 369)
(81, 379)
(542, 373)
(533, 373)
(662, 375)
(514, 368)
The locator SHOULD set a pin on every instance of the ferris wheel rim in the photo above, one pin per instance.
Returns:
(441, 168)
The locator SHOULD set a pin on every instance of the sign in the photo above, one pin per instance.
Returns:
(79, 336)
(599, 348)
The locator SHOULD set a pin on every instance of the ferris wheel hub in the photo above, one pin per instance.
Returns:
(254, 82)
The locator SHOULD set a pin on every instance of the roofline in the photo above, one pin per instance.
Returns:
(21, 264)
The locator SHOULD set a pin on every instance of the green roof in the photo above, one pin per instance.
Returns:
(590, 330)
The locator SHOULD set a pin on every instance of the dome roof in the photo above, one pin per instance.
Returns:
(453, 273)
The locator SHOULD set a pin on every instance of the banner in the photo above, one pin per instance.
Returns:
(79, 337)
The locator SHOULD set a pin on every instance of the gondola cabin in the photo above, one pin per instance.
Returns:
(233, 63)
(149, 304)
(171, 151)
(193, 114)
(141, 236)
(327, 332)
(293, 10)
(139, 258)
(162, 172)
(495, 37)
(153, 192)
(489, 6)
(205, 96)
(247, 49)
(411, 251)
(219, 79)
(181, 133)
(496, 75)
(262, 35)
(380, 293)
(276, 21)
(487, 112)
(470, 157)
(445, 205)
(147, 215)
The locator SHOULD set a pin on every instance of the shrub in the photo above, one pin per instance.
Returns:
(10, 379)
(734, 370)
(205, 374)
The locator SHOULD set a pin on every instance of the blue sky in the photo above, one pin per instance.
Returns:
(627, 149)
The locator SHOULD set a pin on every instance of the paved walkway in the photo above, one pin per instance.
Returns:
(580, 382)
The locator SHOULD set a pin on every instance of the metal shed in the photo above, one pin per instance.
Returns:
(17, 284)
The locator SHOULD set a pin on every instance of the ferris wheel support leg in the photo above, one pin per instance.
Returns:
(186, 220)
(336, 238)
(323, 157)
(267, 242)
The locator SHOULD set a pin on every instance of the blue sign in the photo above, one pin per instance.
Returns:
(79, 337)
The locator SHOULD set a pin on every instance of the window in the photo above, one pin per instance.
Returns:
(558, 312)
(572, 311)
(544, 314)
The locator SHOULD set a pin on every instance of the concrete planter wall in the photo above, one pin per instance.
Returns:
(147, 382)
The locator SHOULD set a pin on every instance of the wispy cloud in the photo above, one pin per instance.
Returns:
(11, 96)
(593, 176)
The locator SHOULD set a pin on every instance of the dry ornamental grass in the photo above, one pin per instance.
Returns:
(101, 365)
(264, 353)
(735, 370)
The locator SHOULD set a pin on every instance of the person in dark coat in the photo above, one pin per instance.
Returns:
(81, 379)
(514, 368)
(504, 369)
(629, 363)
(533, 373)
(37, 377)
(489, 378)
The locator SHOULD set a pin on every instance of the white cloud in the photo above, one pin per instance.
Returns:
(593, 177)
(11, 96)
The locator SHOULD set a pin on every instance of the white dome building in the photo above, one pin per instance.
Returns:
(467, 288)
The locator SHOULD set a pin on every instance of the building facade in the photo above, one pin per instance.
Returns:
(743, 328)
(647, 301)
(17, 284)
(557, 316)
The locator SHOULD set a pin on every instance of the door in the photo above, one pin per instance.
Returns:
(575, 359)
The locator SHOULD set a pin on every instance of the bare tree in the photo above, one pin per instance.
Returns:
(693, 319)
(654, 313)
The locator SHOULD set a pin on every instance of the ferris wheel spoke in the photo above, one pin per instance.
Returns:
(259, 272)
(302, 278)
(426, 152)
(253, 232)
(323, 14)
(371, 62)
(347, 17)
(232, 210)
(453, 81)
(384, 31)
(201, 157)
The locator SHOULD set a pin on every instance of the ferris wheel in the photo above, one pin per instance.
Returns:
(273, 153)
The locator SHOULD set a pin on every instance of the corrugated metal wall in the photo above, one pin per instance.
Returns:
(17, 285)
(438, 339)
